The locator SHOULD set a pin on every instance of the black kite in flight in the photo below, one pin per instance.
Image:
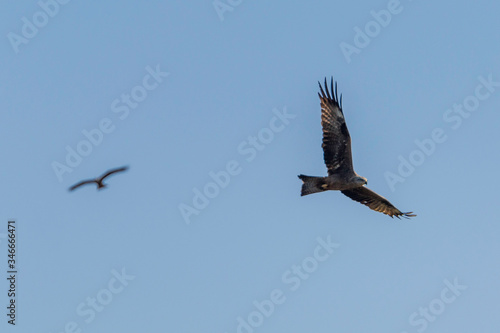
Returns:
(338, 160)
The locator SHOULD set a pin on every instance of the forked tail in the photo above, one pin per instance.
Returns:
(312, 184)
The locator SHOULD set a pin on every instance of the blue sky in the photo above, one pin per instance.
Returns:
(220, 98)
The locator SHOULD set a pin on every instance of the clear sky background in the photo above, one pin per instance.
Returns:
(255, 242)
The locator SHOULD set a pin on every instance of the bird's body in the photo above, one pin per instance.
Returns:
(338, 159)
(330, 183)
(99, 180)
(100, 185)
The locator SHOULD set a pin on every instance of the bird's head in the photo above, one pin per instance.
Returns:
(360, 180)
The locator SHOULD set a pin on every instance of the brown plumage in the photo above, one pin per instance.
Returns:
(99, 180)
(338, 159)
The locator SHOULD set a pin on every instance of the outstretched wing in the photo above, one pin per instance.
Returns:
(376, 202)
(85, 182)
(336, 139)
(112, 171)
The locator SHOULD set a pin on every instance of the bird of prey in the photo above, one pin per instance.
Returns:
(98, 180)
(338, 159)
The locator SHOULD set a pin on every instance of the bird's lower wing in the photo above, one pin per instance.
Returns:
(85, 182)
(375, 202)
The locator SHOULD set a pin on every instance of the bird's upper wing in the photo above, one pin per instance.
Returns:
(81, 183)
(112, 171)
(376, 202)
(336, 139)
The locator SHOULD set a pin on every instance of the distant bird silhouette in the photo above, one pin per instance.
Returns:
(98, 181)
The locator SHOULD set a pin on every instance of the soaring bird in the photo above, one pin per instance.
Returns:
(98, 180)
(338, 159)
